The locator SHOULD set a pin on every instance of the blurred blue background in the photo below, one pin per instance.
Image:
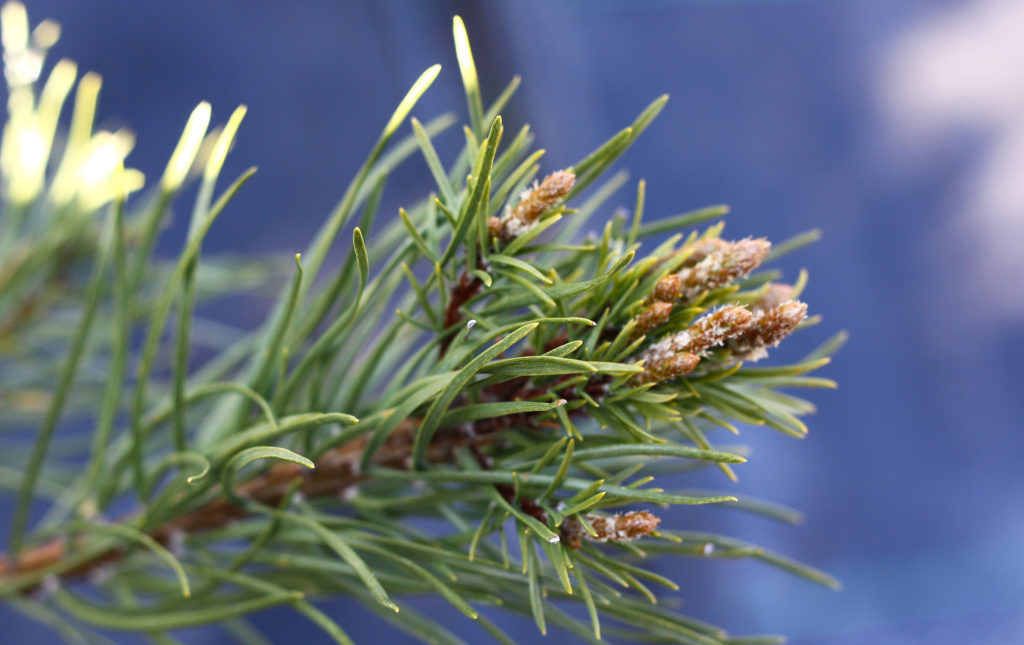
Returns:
(895, 127)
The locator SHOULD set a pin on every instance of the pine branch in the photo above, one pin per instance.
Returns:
(526, 379)
(336, 471)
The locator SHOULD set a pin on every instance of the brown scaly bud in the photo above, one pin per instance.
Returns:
(716, 327)
(615, 528)
(721, 267)
(494, 226)
(695, 252)
(533, 203)
(667, 289)
(669, 368)
(666, 358)
(767, 329)
(651, 317)
(702, 248)
(774, 295)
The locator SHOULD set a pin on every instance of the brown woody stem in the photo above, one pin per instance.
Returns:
(336, 471)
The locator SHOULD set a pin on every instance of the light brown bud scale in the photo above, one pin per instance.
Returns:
(651, 317)
(721, 267)
(533, 203)
(671, 356)
(767, 329)
(668, 288)
(614, 528)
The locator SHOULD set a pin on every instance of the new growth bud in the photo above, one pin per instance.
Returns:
(651, 317)
(668, 288)
(678, 353)
(704, 247)
(533, 203)
(767, 329)
(615, 528)
(670, 368)
(720, 267)
(774, 295)
(712, 263)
